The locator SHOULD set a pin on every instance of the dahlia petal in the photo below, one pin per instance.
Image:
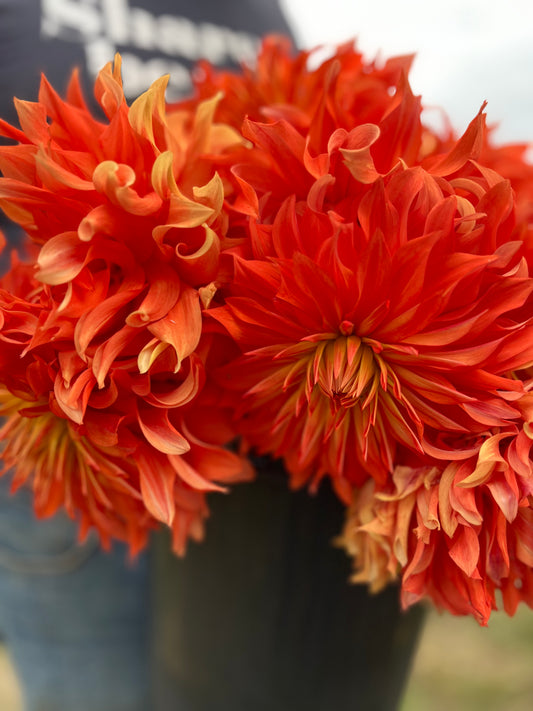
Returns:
(97, 220)
(162, 178)
(74, 91)
(150, 353)
(159, 432)
(524, 537)
(432, 386)
(163, 293)
(203, 125)
(448, 520)
(498, 204)
(403, 520)
(247, 203)
(357, 156)
(467, 148)
(114, 180)
(108, 352)
(15, 134)
(191, 477)
(200, 266)
(61, 259)
(18, 163)
(505, 496)
(443, 336)
(103, 431)
(518, 455)
(67, 119)
(489, 456)
(73, 397)
(464, 357)
(108, 87)
(284, 144)
(180, 395)
(212, 193)
(95, 320)
(182, 326)
(464, 504)
(55, 178)
(493, 413)
(32, 119)
(147, 111)
(157, 486)
(207, 294)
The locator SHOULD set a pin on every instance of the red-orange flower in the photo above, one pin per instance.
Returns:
(457, 531)
(380, 308)
(372, 310)
(105, 354)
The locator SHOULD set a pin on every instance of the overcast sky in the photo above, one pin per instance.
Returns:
(468, 51)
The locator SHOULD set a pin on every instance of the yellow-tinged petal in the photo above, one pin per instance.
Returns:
(149, 354)
(114, 180)
(163, 180)
(489, 456)
(211, 194)
(184, 213)
(207, 294)
(149, 108)
(203, 122)
(108, 87)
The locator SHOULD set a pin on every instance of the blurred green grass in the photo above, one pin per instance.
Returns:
(464, 667)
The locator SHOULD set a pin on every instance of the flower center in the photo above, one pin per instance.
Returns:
(39, 438)
(347, 371)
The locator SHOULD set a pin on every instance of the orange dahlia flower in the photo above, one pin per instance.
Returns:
(380, 306)
(457, 531)
(372, 310)
(103, 353)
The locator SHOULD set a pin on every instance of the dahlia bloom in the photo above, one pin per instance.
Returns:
(454, 531)
(102, 350)
(372, 308)
(380, 306)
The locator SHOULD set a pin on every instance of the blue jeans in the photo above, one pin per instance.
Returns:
(74, 618)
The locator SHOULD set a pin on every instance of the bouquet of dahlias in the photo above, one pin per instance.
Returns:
(293, 261)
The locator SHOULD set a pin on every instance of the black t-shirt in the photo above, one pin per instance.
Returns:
(154, 37)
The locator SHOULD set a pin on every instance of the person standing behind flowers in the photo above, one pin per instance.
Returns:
(76, 620)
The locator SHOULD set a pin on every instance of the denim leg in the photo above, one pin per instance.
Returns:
(73, 617)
